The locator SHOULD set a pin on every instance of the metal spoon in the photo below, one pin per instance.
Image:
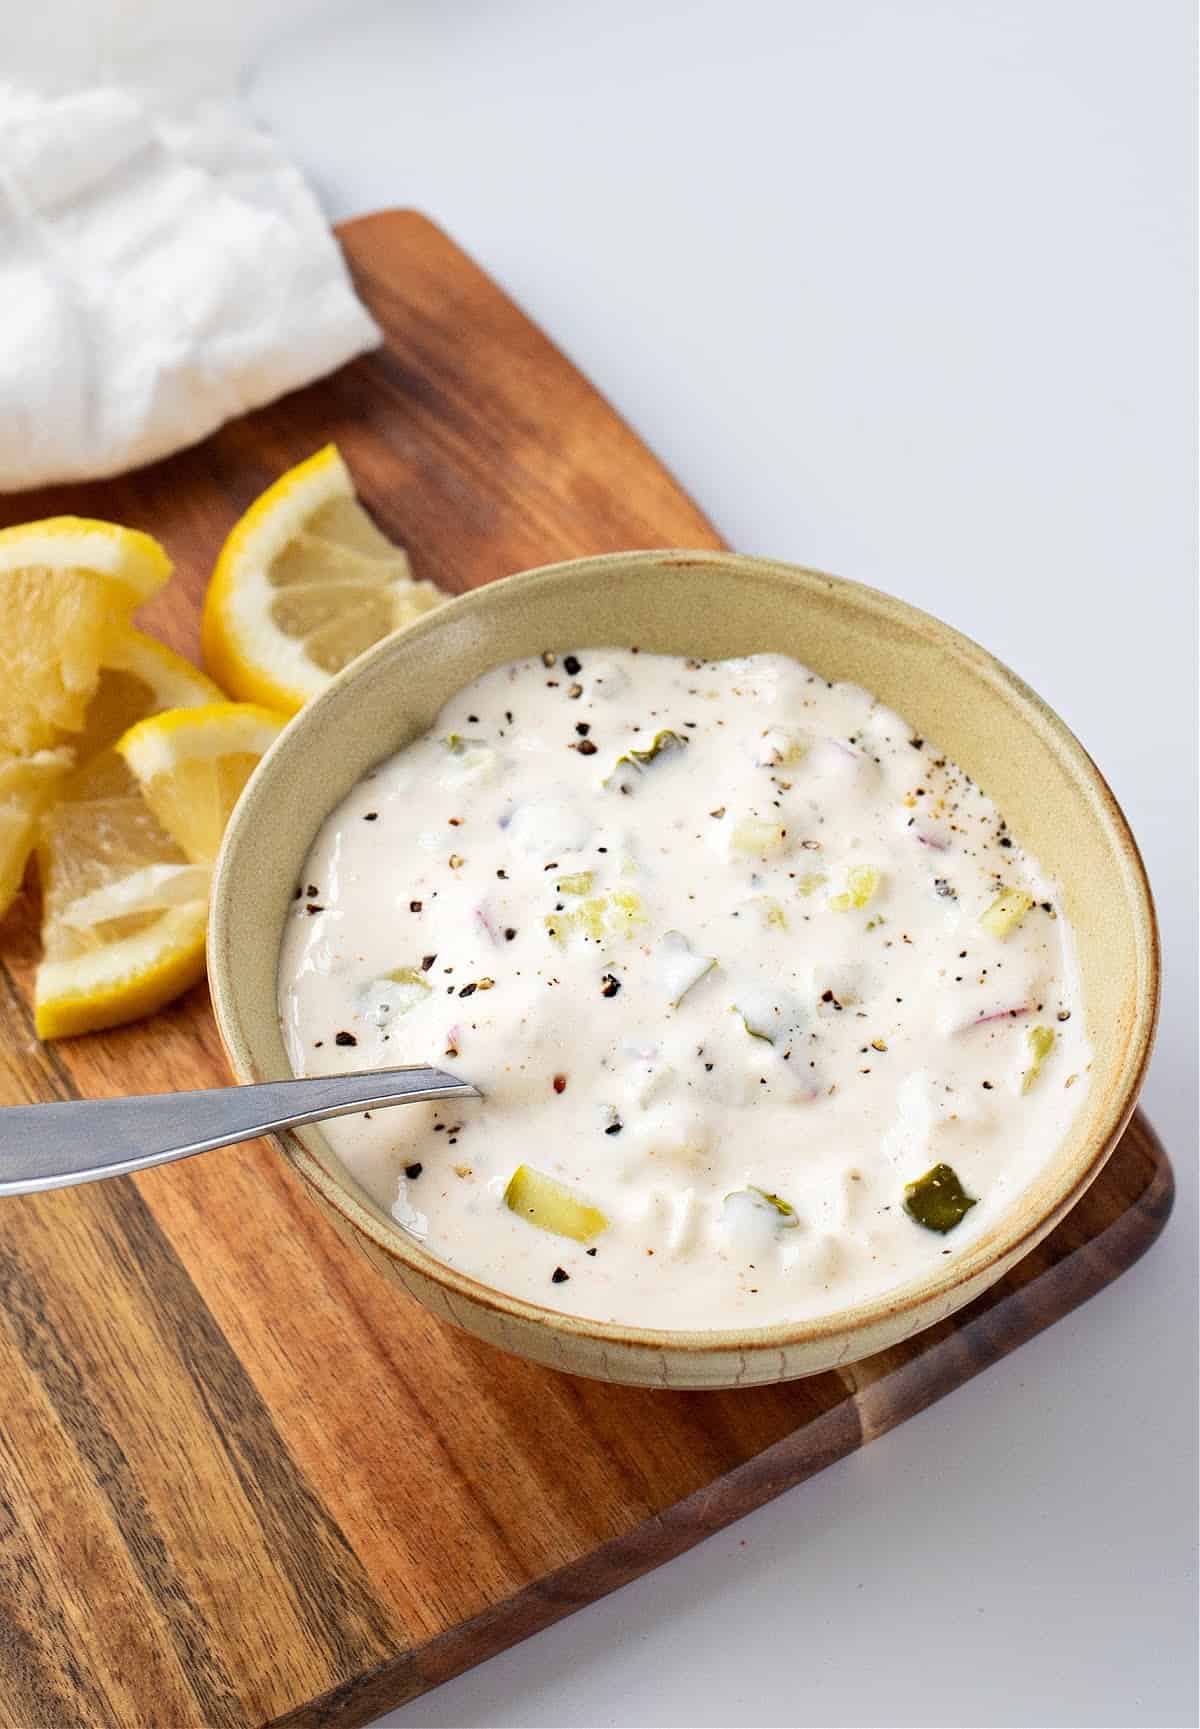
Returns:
(52, 1146)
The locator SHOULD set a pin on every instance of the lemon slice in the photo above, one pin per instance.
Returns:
(67, 588)
(303, 585)
(141, 676)
(125, 858)
(192, 763)
(27, 786)
(124, 909)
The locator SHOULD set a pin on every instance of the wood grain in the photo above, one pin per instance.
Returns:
(242, 1479)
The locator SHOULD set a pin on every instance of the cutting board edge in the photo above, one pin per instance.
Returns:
(867, 1414)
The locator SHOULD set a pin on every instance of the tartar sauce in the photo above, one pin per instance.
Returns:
(769, 1009)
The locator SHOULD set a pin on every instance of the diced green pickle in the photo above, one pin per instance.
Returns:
(756, 1032)
(784, 1208)
(412, 988)
(766, 911)
(408, 976)
(639, 760)
(862, 882)
(1006, 912)
(394, 993)
(1041, 1042)
(551, 1206)
(579, 884)
(780, 746)
(809, 882)
(666, 740)
(938, 1200)
(787, 1217)
(456, 743)
(758, 836)
(599, 918)
(770, 1012)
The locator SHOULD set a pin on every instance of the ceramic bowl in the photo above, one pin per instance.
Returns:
(711, 605)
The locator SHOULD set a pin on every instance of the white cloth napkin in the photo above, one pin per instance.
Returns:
(160, 271)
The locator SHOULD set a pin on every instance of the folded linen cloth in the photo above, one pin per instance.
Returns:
(160, 271)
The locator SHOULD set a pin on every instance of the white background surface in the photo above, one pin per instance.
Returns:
(905, 291)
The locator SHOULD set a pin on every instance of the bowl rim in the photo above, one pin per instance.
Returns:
(1000, 1245)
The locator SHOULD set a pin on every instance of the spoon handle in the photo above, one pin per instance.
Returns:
(51, 1146)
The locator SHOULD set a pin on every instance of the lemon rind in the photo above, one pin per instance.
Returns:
(235, 646)
(170, 675)
(125, 556)
(161, 742)
(123, 981)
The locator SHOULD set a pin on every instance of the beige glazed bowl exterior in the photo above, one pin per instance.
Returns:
(711, 605)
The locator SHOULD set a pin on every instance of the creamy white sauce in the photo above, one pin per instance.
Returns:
(595, 945)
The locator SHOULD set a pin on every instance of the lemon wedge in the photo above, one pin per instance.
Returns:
(124, 911)
(140, 677)
(125, 863)
(304, 583)
(27, 786)
(68, 586)
(191, 765)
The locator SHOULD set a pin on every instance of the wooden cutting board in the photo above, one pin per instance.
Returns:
(242, 1479)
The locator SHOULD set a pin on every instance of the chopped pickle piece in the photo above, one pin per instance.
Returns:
(810, 882)
(1041, 1042)
(758, 835)
(779, 746)
(634, 762)
(755, 1032)
(767, 911)
(1006, 912)
(784, 1208)
(551, 1206)
(409, 976)
(475, 762)
(770, 1013)
(601, 917)
(579, 884)
(394, 993)
(411, 988)
(680, 967)
(666, 740)
(862, 882)
(752, 1202)
(938, 1200)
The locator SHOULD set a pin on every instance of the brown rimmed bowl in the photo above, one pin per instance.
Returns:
(711, 605)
